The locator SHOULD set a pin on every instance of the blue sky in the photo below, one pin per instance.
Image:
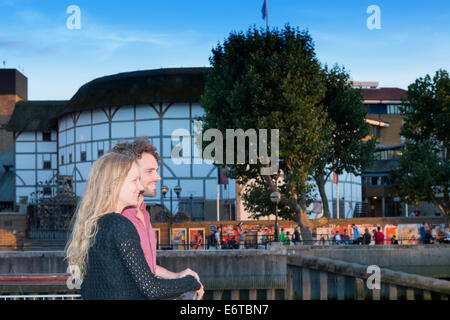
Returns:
(120, 36)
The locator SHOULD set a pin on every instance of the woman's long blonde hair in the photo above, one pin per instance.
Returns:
(100, 198)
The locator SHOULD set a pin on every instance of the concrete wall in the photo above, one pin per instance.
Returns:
(231, 269)
(32, 262)
(425, 260)
(236, 269)
(260, 269)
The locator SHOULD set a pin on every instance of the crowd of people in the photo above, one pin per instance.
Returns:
(429, 234)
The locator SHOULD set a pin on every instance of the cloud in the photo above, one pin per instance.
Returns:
(10, 44)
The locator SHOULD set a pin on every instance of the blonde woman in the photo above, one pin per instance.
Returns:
(105, 245)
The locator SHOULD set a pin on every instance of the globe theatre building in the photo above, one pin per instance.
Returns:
(56, 142)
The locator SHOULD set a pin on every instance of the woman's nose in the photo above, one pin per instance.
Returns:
(140, 186)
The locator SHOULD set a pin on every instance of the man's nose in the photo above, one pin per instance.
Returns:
(158, 177)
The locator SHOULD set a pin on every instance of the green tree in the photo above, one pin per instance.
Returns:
(271, 80)
(423, 173)
(347, 151)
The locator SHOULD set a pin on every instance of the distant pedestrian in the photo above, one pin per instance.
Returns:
(337, 238)
(367, 237)
(447, 236)
(428, 237)
(423, 231)
(345, 237)
(287, 239)
(241, 235)
(218, 236)
(379, 236)
(296, 237)
(356, 235)
(282, 236)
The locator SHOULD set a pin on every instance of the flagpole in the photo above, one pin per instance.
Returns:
(267, 16)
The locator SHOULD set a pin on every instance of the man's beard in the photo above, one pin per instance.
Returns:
(150, 194)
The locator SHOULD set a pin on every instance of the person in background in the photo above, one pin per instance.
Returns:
(282, 236)
(447, 236)
(423, 231)
(428, 238)
(367, 237)
(379, 236)
(287, 239)
(241, 235)
(337, 238)
(345, 237)
(296, 236)
(218, 236)
(355, 234)
(236, 237)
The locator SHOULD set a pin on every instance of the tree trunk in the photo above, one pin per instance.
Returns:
(320, 181)
(304, 223)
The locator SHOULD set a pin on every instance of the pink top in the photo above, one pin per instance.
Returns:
(147, 235)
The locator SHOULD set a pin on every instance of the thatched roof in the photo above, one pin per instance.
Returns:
(36, 115)
(149, 86)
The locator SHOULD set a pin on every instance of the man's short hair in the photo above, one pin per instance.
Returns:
(136, 148)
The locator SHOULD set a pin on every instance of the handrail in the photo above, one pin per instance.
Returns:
(360, 271)
(23, 279)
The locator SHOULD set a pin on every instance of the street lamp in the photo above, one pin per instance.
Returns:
(275, 198)
(164, 190)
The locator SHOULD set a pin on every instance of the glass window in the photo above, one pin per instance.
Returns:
(46, 136)
(47, 164)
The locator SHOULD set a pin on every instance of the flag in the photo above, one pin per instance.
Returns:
(222, 178)
(264, 10)
(335, 176)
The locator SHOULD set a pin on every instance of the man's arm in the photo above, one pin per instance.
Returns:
(164, 273)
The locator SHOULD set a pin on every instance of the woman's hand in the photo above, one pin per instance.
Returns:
(200, 293)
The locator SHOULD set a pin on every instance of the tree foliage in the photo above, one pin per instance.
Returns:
(271, 80)
(424, 168)
(347, 151)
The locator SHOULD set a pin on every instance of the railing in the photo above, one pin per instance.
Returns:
(310, 277)
(36, 287)
(31, 245)
(304, 277)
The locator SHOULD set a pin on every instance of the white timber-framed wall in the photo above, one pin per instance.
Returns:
(31, 151)
(95, 132)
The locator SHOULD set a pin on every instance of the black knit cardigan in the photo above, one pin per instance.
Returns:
(117, 269)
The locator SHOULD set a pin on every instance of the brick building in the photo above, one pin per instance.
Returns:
(13, 88)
